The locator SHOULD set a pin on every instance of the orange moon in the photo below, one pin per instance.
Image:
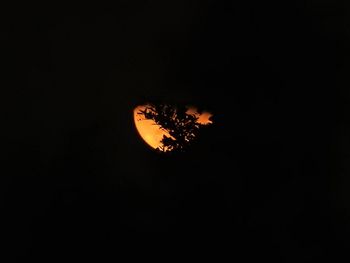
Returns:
(152, 133)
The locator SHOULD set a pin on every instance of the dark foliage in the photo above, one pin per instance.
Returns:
(181, 126)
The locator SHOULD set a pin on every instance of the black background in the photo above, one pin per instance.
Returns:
(268, 181)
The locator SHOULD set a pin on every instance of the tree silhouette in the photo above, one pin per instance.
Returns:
(181, 126)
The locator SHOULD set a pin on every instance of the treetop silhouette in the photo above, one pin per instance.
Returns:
(178, 121)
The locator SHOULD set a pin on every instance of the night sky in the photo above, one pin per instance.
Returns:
(269, 180)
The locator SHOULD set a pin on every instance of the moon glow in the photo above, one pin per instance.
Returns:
(153, 134)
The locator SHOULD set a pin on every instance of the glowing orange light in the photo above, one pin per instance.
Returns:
(152, 133)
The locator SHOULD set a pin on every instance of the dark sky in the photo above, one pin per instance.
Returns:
(269, 180)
